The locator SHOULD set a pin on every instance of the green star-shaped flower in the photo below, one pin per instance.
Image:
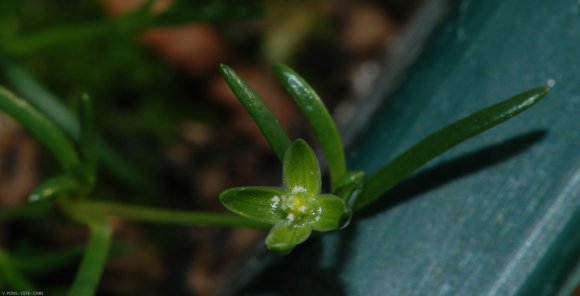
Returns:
(295, 209)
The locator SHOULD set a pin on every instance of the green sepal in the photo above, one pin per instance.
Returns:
(333, 214)
(284, 236)
(54, 187)
(300, 170)
(257, 203)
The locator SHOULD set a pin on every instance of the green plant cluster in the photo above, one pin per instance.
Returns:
(291, 212)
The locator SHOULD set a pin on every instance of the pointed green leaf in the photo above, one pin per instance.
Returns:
(284, 236)
(313, 108)
(263, 117)
(301, 171)
(258, 203)
(54, 187)
(42, 128)
(350, 187)
(334, 214)
(443, 140)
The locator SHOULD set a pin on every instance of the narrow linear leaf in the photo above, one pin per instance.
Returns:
(263, 117)
(87, 141)
(56, 111)
(42, 128)
(313, 108)
(443, 140)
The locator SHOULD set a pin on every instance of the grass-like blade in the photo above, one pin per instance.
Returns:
(263, 117)
(87, 141)
(42, 128)
(444, 139)
(55, 110)
(43, 262)
(313, 108)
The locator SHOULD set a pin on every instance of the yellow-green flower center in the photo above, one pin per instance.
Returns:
(293, 204)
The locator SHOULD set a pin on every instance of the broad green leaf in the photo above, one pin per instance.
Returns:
(350, 187)
(258, 203)
(54, 187)
(301, 172)
(42, 129)
(334, 213)
(263, 117)
(320, 120)
(284, 236)
(443, 140)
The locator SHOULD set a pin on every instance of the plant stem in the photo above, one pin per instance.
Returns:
(163, 216)
(94, 259)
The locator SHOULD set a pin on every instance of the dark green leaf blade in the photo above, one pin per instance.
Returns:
(263, 117)
(443, 140)
(301, 172)
(313, 108)
(350, 187)
(257, 203)
(88, 141)
(42, 128)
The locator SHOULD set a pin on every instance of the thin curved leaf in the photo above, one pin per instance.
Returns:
(263, 117)
(313, 108)
(443, 140)
(42, 128)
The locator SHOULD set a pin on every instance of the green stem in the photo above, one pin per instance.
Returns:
(162, 216)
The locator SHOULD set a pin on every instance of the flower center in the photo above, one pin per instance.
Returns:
(294, 203)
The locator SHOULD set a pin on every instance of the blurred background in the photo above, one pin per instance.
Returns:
(163, 108)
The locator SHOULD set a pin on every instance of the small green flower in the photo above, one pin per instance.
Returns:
(295, 209)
